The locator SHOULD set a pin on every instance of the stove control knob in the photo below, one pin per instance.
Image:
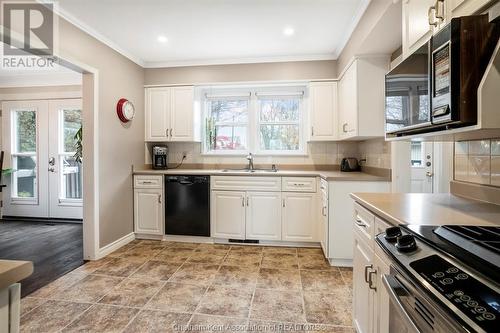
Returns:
(406, 243)
(392, 234)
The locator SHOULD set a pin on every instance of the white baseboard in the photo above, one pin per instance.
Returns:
(111, 247)
(146, 236)
(340, 262)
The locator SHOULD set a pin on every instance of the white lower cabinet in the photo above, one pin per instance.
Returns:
(263, 215)
(299, 217)
(228, 214)
(256, 208)
(362, 294)
(148, 211)
(370, 298)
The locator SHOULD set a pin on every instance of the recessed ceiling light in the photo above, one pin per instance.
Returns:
(288, 31)
(162, 39)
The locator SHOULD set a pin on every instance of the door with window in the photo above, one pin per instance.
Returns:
(39, 142)
(422, 167)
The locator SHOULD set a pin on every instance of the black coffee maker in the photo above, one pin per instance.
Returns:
(160, 157)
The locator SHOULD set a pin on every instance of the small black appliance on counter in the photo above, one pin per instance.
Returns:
(349, 164)
(159, 157)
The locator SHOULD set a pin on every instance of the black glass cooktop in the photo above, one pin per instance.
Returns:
(474, 247)
(479, 302)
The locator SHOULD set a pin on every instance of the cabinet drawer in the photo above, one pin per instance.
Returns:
(147, 181)
(364, 222)
(299, 184)
(246, 183)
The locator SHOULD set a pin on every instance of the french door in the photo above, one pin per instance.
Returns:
(39, 142)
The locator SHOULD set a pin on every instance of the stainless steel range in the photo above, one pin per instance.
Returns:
(443, 279)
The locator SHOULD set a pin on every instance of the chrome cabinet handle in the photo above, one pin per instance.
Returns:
(437, 5)
(360, 223)
(370, 280)
(243, 201)
(394, 289)
(248, 202)
(367, 267)
(430, 16)
(299, 184)
(344, 128)
(284, 205)
(159, 198)
(323, 211)
(171, 133)
(312, 130)
(166, 132)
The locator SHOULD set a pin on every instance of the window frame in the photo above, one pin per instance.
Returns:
(254, 122)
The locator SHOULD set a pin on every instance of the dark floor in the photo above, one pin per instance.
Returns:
(54, 247)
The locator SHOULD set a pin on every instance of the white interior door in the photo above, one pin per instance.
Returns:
(422, 167)
(65, 173)
(25, 128)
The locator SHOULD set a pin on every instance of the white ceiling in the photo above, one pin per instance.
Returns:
(218, 31)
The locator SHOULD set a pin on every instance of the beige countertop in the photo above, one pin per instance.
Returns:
(429, 209)
(12, 271)
(327, 175)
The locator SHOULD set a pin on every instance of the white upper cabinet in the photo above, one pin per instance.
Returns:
(466, 7)
(416, 24)
(181, 115)
(157, 114)
(323, 111)
(170, 114)
(361, 99)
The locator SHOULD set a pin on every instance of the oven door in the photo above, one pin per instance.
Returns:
(410, 311)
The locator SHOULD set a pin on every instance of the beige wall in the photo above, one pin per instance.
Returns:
(277, 71)
(119, 146)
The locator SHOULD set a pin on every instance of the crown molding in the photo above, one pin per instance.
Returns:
(360, 11)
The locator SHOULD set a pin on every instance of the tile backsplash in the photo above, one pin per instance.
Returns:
(376, 152)
(478, 162)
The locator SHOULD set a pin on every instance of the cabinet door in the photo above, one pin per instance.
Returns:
(263, 215)
(348, 106)
(381, 301)
(181, 114)
(466, 7)
(416, 28)
(157, 114)
(299, 222)
(323, 230)
(362, 294)
(148, 211)
(228, 214)
(323, 111)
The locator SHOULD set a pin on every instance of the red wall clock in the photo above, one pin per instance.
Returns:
(125, 110)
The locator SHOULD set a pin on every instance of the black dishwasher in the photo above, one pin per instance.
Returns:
(187, 205)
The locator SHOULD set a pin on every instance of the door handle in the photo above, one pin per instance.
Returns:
(52, 169)
(367, 267)
(370, 280)
(52, 161)
(429, 174)
(394, 289)
(429, 16)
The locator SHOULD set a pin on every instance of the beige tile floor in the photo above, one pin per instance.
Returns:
(152, 286)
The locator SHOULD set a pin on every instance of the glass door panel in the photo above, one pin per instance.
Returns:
(24, 153)
(71, 175)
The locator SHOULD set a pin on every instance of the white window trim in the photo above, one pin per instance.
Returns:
(253, 124)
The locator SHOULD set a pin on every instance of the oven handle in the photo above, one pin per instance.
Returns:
(392, 285)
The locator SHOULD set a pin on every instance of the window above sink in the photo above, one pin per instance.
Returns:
(263, 120)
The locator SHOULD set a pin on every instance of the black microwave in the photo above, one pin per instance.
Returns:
(435, 88)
